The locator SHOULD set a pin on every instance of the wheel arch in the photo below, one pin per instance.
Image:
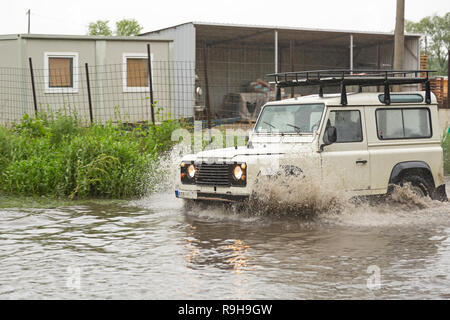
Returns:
(411, 167)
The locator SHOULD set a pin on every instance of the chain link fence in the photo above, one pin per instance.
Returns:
(99, 93)
(117, 92)
(234, 92)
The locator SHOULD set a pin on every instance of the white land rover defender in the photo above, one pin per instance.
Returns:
(375, 139)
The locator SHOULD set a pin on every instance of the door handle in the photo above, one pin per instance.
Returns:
(361, 161)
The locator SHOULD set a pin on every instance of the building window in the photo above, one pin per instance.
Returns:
(135, 72)
(60, 72)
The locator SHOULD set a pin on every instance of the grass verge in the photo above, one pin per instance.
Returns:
(55, 155)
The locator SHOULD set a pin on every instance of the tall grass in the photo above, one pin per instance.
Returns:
(57, 156)
(446, 148)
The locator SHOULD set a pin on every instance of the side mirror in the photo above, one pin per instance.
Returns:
(329, 137)
(331, 134)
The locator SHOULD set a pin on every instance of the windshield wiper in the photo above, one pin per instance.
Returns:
(298, 129)
(270, 125)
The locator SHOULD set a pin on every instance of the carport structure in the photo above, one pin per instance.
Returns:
(235, 55)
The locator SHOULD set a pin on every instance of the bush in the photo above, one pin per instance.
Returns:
(58, 156)
(446, 149)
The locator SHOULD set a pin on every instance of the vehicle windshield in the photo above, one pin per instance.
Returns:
(298, 118)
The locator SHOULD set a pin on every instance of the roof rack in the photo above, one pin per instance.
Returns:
(346, 77)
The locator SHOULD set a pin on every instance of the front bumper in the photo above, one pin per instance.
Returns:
(211, 196)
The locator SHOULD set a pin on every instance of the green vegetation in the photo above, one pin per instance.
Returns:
(446, 148)
(55, 155)
(128, 27)
(436, 40)
(99, 28)
(124, 27)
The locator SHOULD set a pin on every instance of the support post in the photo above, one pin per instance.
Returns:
(343, 94)
(291, 55)
(33, 88)
(276, 51)
(351, 54)
(207, 101)
(150, 82)
(387, 93)
(448, 80)
(88, 85)
(427, 91)
(278, 93)
(378, 61)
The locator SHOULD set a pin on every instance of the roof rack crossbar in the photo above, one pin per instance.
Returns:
(361, 78)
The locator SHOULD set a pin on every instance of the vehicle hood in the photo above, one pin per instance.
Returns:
(258, 150)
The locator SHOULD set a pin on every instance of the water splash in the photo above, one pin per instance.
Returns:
(308, 195)
(163, 173)
(305, 192)
(406, 197)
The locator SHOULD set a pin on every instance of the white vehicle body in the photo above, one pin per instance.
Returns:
(367, 165)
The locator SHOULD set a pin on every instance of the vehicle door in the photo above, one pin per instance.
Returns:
(346, 161)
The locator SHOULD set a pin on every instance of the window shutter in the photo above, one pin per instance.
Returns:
(137, 72)
(60, 72)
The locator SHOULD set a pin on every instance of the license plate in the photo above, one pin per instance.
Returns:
(187, 194)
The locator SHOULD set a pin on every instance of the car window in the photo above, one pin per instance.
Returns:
(403, 123)
(348, 125)
(299, 118)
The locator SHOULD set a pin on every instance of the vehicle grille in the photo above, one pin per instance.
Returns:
(213, 174)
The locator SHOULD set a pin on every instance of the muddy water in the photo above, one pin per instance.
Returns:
(158, 248)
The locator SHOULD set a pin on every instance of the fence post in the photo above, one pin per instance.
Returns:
(33, 88)
(91, 117)
(150, 82)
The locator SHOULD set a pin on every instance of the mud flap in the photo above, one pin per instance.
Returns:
(440, 193)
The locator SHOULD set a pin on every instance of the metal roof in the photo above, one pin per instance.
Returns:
(237, 25)
(216, 33)
(79, 37)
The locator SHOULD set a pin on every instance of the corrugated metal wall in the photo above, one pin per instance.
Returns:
(233, 65)
(231, 68)
(183, 66)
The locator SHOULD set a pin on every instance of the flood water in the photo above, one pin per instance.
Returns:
(158, 248)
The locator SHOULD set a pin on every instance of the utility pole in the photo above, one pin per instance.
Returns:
(29, 14)
(399, 37)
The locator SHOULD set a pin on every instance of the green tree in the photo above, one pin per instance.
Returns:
(99, 28)
(128, 27)
(436, 40)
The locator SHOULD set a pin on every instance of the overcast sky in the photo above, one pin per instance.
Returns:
(72, 17)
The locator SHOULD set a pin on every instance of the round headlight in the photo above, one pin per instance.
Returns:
(191, 171)
(237, 172)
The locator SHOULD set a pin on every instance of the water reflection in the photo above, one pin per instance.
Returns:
(317, 261)
(154, 251)
(239, 260)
